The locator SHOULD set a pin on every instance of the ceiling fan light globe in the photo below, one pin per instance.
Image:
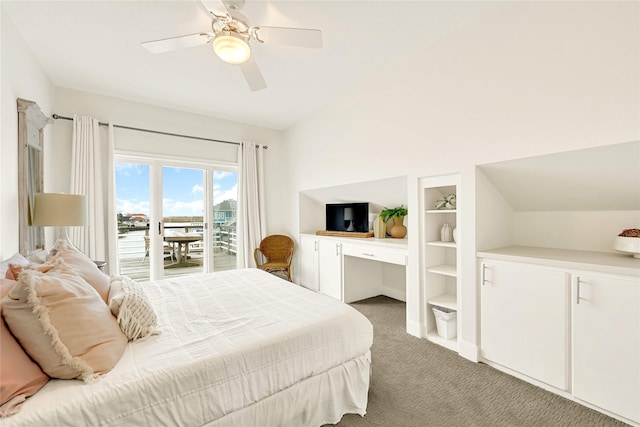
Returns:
(231, 48)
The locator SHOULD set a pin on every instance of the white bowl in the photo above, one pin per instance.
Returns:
(628, 244)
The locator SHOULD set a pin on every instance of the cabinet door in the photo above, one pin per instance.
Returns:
(524, 313)
(606, 343)
(309, 262)
(330, 268)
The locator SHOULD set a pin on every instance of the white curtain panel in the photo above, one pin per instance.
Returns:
(87, 178)
(251, 206)
(112, 218)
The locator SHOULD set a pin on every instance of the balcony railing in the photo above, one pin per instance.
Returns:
(134, 263)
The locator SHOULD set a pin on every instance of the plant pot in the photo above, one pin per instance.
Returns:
(398, 230)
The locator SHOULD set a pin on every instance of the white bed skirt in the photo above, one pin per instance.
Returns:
(315, 401)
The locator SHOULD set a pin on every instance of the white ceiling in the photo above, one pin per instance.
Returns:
(94, 46)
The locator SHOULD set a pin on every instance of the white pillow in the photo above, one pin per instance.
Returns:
(132, 308)
(16, 259)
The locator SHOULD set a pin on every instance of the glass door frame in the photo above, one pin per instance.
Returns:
(156, 226)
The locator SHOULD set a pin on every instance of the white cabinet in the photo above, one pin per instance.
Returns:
(309, 258)
(555, 314)
(330, 268)
(440, 272)
(321, 265)
(353, 269)
(524, 318)
(606, 342)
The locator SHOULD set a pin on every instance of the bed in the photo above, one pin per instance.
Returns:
(234, 348)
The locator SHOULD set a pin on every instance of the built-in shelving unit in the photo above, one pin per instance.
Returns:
(440, 259)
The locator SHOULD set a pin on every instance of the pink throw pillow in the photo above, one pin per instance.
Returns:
(20, 377)
(83, 265)
(63, 324)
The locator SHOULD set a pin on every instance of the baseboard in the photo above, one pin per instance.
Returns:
(414, 328)
(468, 351)
(398, 294)
(564, 393)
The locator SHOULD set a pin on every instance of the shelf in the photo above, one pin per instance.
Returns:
(451, 344)
(444, 269)
(442, 244)
(444, 301)
(439, 211)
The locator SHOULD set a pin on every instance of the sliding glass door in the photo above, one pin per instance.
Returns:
(174, 218)
(133, 203)
(183, 219)
(225, 196)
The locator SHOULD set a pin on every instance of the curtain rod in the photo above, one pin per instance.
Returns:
(58, 117)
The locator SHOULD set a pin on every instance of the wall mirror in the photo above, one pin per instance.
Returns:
(31, 124)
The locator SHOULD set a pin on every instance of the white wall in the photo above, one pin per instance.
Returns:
(528, 78)
(21, 77)
(134, 114)
(582, 230)
(127, 113)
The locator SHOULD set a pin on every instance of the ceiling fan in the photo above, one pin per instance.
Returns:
(230, 37)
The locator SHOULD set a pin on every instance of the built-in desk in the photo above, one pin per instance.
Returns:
(352, 269)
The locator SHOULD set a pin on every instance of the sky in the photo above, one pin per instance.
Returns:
(182, 192)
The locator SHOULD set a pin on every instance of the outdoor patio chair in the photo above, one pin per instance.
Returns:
(169, 249)
(277, 253)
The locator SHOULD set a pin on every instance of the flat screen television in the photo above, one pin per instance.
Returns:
(352, 217)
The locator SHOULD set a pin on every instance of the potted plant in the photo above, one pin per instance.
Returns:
(397, 214)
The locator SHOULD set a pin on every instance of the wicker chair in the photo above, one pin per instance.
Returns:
(277, 251)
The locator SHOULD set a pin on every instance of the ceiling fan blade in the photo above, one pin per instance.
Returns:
(174, 43)
(253, 75)
(301, 37)
(215, 6)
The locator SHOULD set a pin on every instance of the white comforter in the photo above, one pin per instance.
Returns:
(227, 340)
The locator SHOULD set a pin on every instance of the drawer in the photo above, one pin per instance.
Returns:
(376, 253)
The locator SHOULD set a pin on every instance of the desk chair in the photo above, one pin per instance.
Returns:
(277, 251)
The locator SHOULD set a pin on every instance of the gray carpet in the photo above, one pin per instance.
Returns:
(417, 383)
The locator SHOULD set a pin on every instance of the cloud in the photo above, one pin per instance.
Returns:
(128, 169)
(197, 189)
(172, 207)
(231, 193)
(222, 174)
(132, 206)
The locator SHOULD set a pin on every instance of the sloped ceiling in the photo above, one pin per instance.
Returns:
(594, 179)
(387, 192)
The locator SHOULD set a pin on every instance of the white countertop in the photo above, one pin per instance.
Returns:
(606, 262)
(390, 242)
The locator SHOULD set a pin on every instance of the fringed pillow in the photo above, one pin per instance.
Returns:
(63, 323)
(131, 306)
(83, 265)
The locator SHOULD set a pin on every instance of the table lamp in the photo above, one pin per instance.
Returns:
(348, 216)
(60, 210)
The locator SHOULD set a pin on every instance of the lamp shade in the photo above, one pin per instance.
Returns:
(231, 48)
(59, 209)
(348, 214)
